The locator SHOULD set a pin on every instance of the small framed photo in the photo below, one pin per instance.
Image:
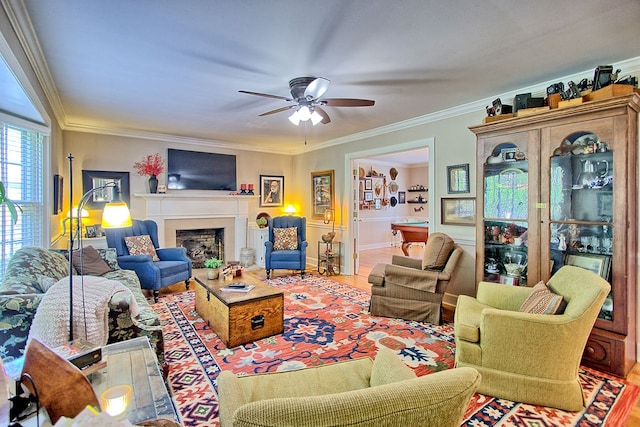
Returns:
(402, 197)
(458, 211)
(509, 154)
(599, 264)
(271, 190)
(378, 203)
(458, 179)
(99, 230)
(368, 184)
(90, 231)
(368, 196)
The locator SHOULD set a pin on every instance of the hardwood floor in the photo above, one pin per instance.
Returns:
(369, 258)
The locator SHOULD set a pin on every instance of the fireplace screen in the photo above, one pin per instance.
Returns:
(202, 244)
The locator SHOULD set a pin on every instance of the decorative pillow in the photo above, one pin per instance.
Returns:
(285, 239)
(88, 262)
(110, 256)
(45, 282)
(389, 368)
(542, 301)
(436, 252)
(141, 245)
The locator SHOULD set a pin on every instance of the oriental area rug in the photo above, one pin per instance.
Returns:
(328, 322)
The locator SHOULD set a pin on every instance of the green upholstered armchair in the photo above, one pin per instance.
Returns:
(524, 357)
(412, 288)
(359, 392)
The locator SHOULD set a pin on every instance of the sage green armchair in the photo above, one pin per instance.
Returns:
(356, 393)
(524, 357)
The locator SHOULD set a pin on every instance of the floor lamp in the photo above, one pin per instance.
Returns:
(114, 215)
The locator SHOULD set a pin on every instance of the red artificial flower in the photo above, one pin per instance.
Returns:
(153, 165)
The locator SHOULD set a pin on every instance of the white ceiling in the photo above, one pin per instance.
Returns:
(175, 67)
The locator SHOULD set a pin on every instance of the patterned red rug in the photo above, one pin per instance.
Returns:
(327, 322)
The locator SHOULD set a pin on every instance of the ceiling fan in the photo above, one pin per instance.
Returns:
(306, 99)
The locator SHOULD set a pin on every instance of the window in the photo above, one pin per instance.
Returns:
(21, 172)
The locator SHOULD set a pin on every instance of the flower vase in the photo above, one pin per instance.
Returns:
(153, 184)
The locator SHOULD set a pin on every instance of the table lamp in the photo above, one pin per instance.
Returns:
(329, 217)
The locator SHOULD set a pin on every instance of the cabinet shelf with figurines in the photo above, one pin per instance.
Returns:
(560, 188)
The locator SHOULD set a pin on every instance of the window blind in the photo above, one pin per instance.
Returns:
(21, 172)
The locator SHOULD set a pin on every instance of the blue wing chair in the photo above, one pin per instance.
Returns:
(289, 259)
(174, 265)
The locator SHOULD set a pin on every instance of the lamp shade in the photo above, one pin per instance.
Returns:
(290, 210)
(74, 212)
(115, 215)
(328, 216)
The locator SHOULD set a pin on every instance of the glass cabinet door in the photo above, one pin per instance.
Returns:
(506, 215)
(581, 207)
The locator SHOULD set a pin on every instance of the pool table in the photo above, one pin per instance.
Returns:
(411, 232)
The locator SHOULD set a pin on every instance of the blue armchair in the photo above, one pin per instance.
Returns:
(291, 259)
(174, 265)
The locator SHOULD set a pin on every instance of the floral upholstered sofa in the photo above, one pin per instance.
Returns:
(22, 290)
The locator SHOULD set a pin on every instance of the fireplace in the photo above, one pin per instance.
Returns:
(200, 210)
(201, 244)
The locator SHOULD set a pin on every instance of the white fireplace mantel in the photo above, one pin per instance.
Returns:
(195, 207)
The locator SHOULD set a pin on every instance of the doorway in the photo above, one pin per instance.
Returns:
(414, 149)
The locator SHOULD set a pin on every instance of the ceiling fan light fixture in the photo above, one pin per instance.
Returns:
(295, 118)
(305, 113)
(315, 117)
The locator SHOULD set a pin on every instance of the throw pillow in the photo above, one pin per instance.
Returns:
(542, 301)
(389, 368)
(436, 252)
(285, 239)
(141, 245)
(110, 256)
(45, 282)
(88, 262)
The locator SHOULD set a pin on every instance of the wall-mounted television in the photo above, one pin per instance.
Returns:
(194, 170)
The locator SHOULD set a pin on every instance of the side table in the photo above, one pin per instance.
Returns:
(130, 362)
(329, 258)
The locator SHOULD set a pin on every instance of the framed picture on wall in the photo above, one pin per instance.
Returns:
(322, 193)
(402, 197)
(271, 190)
(57, 194)
(368, 184)
(458, 179)
(368, 196)
(458, 211)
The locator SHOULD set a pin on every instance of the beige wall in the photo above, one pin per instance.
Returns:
(118, 154)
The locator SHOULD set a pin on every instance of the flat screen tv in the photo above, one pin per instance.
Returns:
(194, 170)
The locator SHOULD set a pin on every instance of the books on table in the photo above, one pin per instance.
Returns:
(237, 287)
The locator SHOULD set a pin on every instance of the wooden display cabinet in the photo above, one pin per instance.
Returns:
(557, 188)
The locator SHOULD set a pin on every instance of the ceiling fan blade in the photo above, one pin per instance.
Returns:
(347, 102)
(266, 95)
(316, 88)
(325, 116)
(279, 110)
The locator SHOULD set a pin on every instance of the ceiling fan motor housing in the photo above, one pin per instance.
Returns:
(298, 85)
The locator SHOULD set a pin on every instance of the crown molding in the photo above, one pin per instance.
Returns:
(629, 66)
(128, 133)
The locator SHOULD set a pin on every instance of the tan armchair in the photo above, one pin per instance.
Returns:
(524, 357)
(359, 392)
(411, 288)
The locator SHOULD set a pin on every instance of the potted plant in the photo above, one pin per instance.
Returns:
(13, 208)
(213, 267)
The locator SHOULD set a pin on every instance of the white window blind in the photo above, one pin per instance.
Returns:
(21, 172)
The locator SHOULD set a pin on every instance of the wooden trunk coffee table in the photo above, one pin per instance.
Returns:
(239, 317)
